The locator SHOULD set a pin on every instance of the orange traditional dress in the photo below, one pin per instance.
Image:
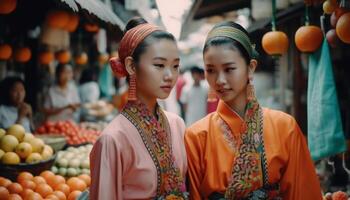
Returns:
(264, 156)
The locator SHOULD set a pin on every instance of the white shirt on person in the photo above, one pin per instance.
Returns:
(58, 98)
(195, 97)
(9, 116)
(89, 92)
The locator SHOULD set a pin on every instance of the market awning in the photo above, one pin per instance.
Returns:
(97, 8)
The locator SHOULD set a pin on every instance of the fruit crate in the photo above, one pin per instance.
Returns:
(11, 171)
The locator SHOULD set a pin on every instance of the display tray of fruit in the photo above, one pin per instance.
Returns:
(73, 161)
(46, 185)
(21, 151)
(74, 134)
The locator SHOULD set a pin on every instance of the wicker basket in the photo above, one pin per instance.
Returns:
(11, 171)
(57, 142)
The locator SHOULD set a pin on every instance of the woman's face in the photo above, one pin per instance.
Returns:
(66, 75)
(158, 69)
(227, 73)
(17, 93)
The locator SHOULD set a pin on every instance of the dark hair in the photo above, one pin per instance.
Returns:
(232, 44)
(59, 70)
(88, 75)
(6, 86)
(196, 69)
(153, 37)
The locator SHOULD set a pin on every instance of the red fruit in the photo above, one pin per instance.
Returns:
(340, 195)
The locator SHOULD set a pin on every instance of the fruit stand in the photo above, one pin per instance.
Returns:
(53, 163)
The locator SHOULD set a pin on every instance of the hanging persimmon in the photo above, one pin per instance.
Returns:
(275, 42)
(5, 51)
(308, 38)
(343, 28)
(57, 19)
(23, 54)
(93, 28)
(7, 6)
(81, 59)
(329, 6)
(73, 23)
(46, 57)
(63, 56)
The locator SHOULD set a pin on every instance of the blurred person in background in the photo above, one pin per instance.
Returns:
(13, 109)
(62, 101)
(194, 97)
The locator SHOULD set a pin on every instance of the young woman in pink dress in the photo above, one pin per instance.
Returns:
(141, 153)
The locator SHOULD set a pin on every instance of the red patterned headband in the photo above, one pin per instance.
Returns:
(128, 44)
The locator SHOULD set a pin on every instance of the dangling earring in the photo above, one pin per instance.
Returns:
(250, 90)
(132, 88)
(211, 95)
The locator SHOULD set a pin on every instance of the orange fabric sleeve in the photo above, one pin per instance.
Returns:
(194, 150)
(299, 180)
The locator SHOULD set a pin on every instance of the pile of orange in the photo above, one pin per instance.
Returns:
(45, 186)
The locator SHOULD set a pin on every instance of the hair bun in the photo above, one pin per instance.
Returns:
(118, 67)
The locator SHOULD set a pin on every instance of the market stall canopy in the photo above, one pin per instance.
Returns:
(71, 4)
(97, 8)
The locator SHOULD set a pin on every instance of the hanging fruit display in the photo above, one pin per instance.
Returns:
(57, 19)
(81, 59)
(7, 6)
(308, 38)
(93, 28)
(5, 51)
(332, 38)
(343, 28)
(73, 23)
(275, 42)
(22, 54)
(46, 57)
(63, 56)
(329, 6)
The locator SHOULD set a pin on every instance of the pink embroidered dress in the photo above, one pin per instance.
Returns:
(140, 157)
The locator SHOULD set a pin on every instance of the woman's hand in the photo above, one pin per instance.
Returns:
(25, 110)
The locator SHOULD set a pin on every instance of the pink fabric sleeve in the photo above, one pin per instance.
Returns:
(106, 170)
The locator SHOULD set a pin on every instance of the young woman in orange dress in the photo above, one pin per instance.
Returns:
(242, 150)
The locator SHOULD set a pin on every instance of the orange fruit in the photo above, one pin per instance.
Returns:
(16, 130)
(5, 182)
(60, 195)
(43, 189)
(28, 184)
(38, 180)
(24, 176)
(51, 197)
(15, 197)
(15, 188)
(26, 192)
(63, 188)
(75, 183)
(73, 195)
(4, 193)
(86, 178)
(33, 196)
(47, 175)
(58, 179)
